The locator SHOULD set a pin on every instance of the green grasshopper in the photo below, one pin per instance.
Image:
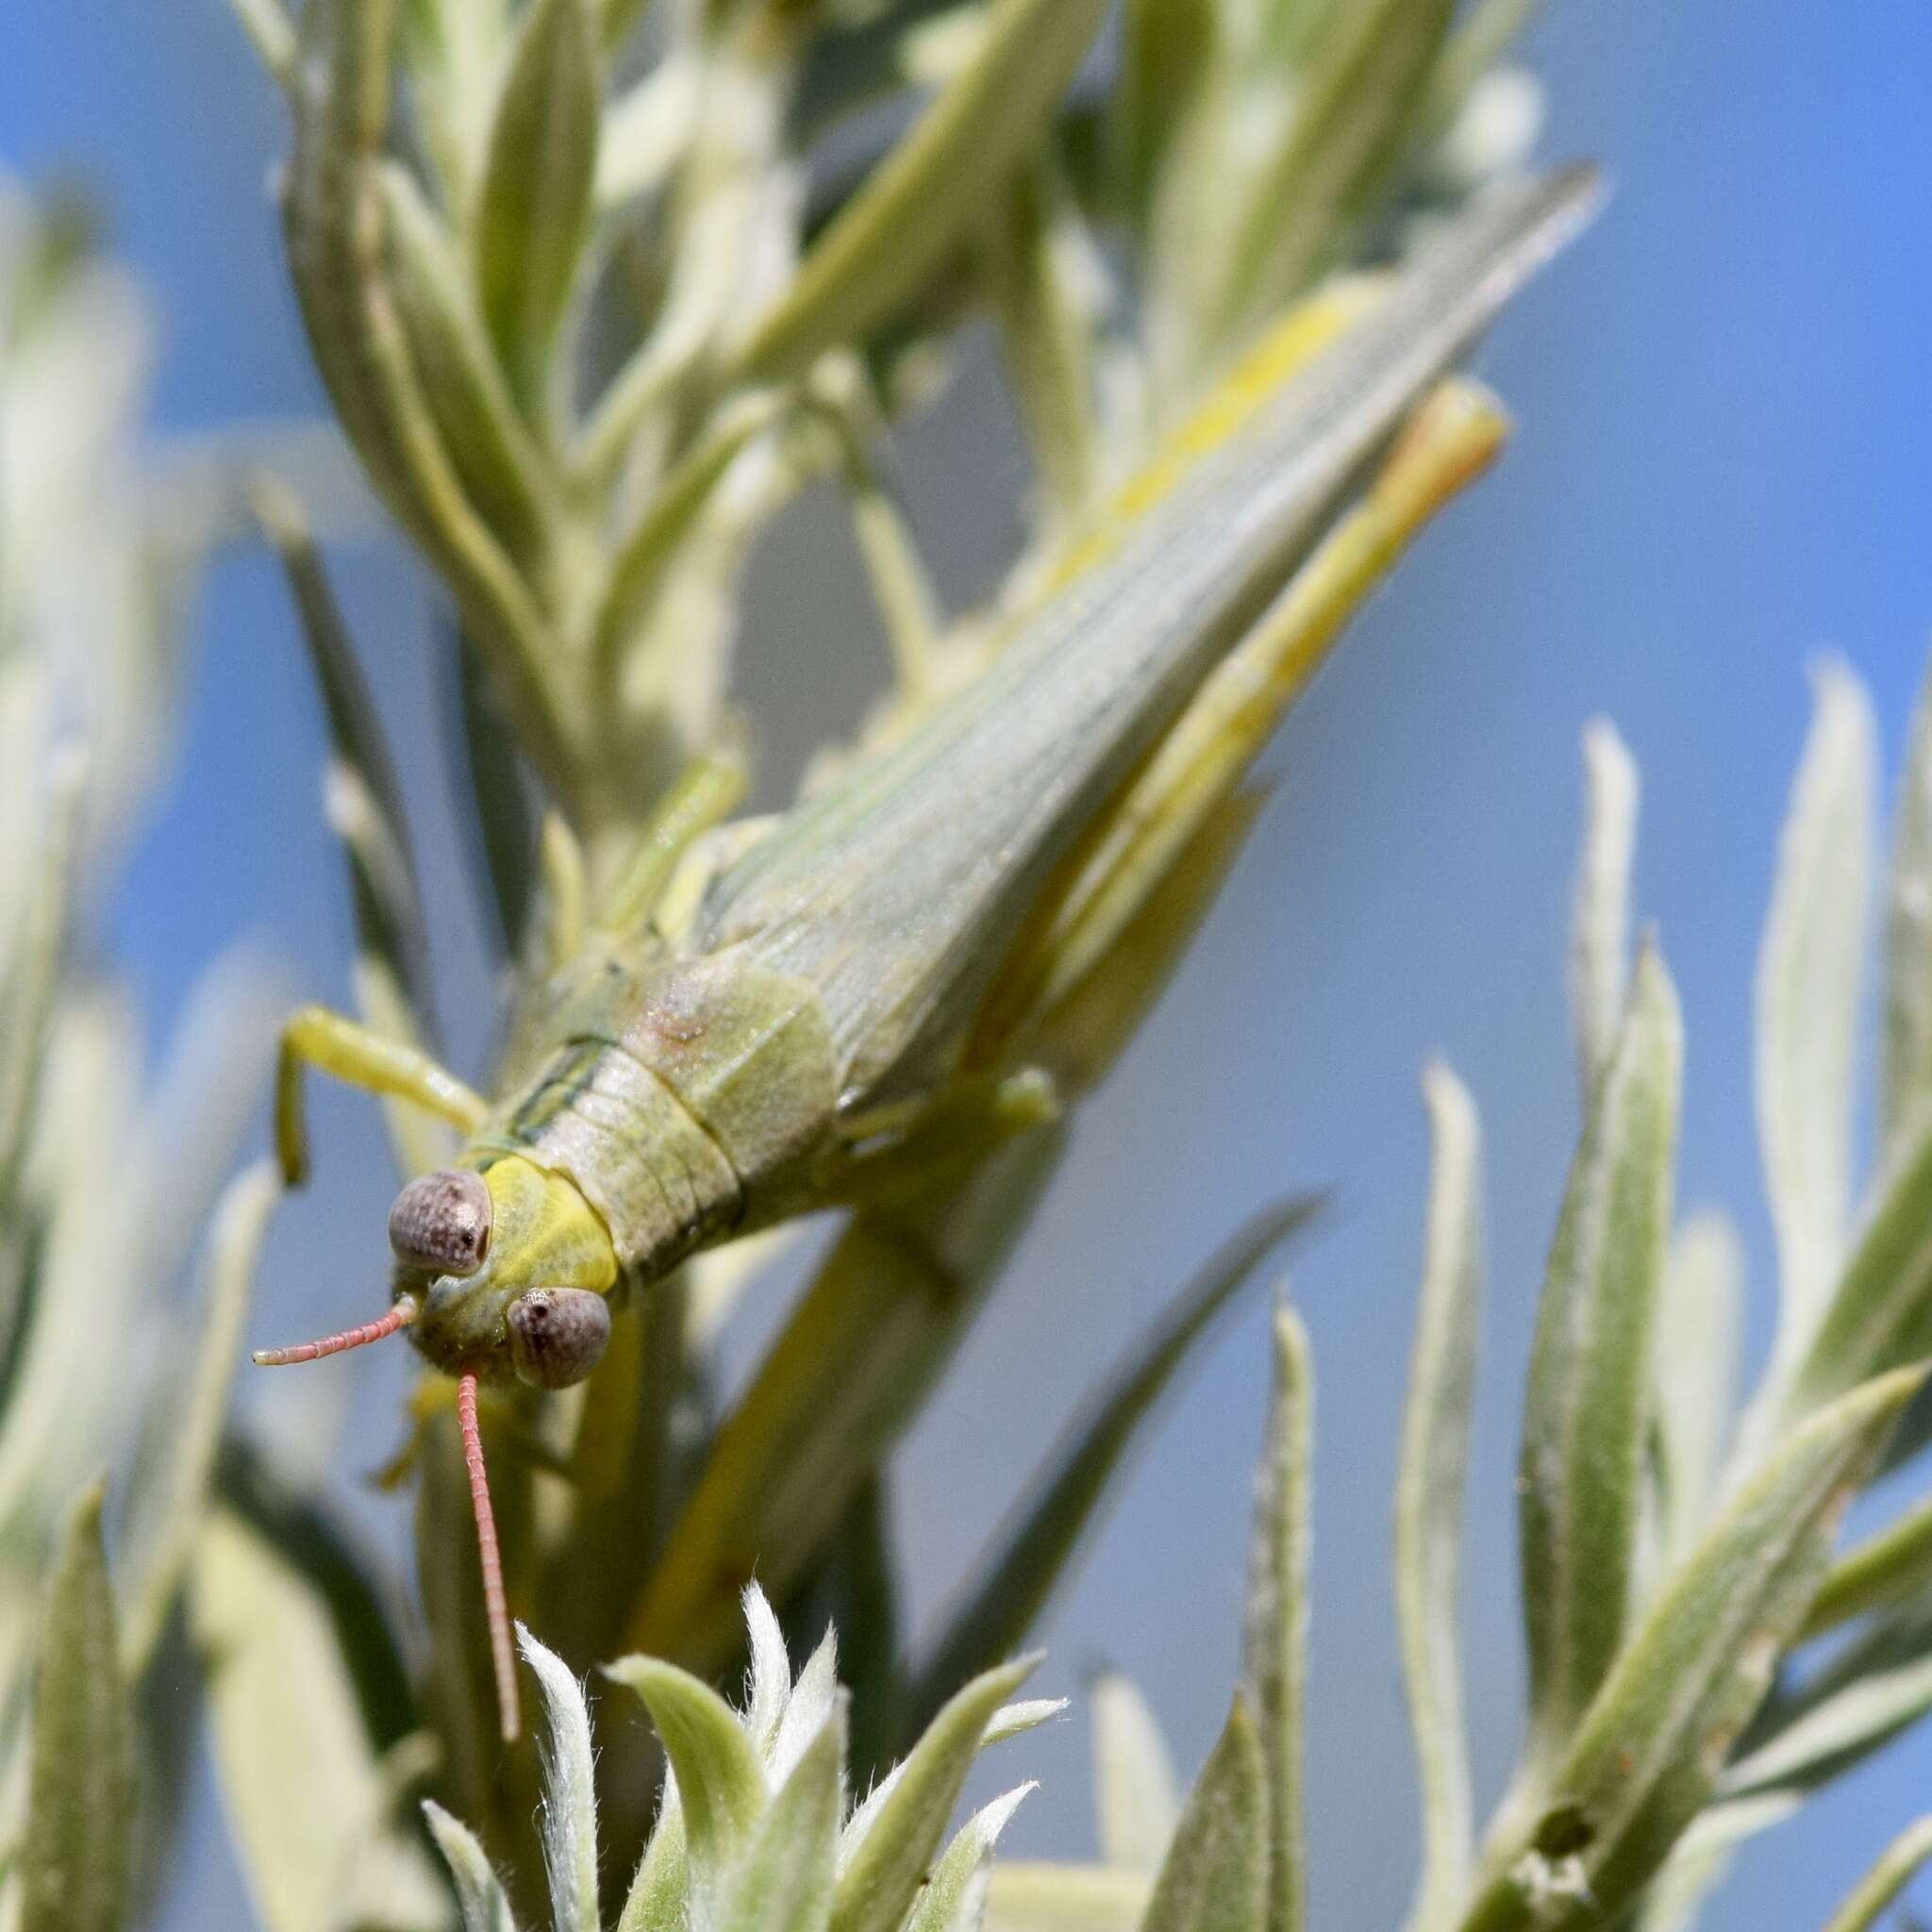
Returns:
(843, 999)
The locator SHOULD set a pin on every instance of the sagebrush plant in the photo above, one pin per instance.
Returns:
(596, 288)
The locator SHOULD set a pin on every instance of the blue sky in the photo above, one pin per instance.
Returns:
(1724, 468)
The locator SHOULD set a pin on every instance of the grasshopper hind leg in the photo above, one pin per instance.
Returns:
(353, 1053)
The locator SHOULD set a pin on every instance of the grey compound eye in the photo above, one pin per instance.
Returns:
(441, 1223)
(557, 1335)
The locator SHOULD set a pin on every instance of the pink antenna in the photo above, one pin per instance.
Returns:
(399, 1316)
(495, 1608)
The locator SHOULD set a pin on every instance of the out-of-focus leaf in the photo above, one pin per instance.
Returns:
(647, 131)
(1883, 1570)
(570, 1800)
(1134, 1795)
(1810, 968)
(783, 1883)
(856, 1591)
(1588, 1403)
(955, 1901)
(720, 1787)
(1167, 47)
(1023, 1897)
(159, 1534)
(1482, 36)
(908, 217)
(75, 1860)
(1215, 1875)
(479, 1891)
(1862, 1698)
(1905, 1089)
(1894, 1870)
(1012, 1584)
(1430, 1486)
(1365, 76)
(1695, 1374)
(534, 205)
(846, 1374)
(462, 381)
(503, 826)
(1274, 1648)
(887, 1850)
(302, 1785)
(1600, 901)
(1643, 1758)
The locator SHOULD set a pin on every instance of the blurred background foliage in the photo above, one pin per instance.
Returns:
(1795, 404)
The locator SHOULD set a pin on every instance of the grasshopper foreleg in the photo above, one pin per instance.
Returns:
(353, 1054)
(959, 1129)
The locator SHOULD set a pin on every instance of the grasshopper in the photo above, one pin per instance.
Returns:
(841, 999)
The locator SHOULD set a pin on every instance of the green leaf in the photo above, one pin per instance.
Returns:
(1134, 1791)
(846, 1374)
(888, 1847)
(570, 1793)
(659, 1899)
(503, 827)
(1215, 1875)
(1694, 1372)
(1600, 901)
(1894, 1870)
(1431, 1487)
(1012, 1584)
(1811, 967)
(479, 1891)
(1064, 1898)
(955, 1901)
(1883, 1570)
(1906, 1067)
(1274, 1648)
(1167, 52)
(533, 210)
(77, 1857)
(720, 1787)
(462, 382)
(783, 1883)
(302, 1790)
(902, 223)
(1586, 1408)
(161, 1525)
(1643, 1758)
(1365, 78)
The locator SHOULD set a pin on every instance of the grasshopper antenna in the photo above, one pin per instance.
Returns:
(494, 1606)
(399, 1317)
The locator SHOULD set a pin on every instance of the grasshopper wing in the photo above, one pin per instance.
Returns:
(898, 891)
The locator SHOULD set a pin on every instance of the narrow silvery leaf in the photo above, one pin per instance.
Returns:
(720, 1787)
(159, 1534)
(534, 209)
(808, 1709)
(1644, 1757)
(889, 1846)
(771, 1671)
(1430, 1488)
(783, 1882)
(1581, 1470)
(1695, 1369)
(1023, 1897)
(1600, 900)
(1034, 1551)
(659, 1898)
(1015, 1719)
(955, 1901)
(1167, 48)
(1135, 1794)
(569, 1816)
(1883, 1570)
(479, 1891)
(1274, 1646)
(1894, 1870)
(1215, 1875)
(1906, 1084)
(77, 1857)
(900, 225)
(1811, 967)
(301, 1779)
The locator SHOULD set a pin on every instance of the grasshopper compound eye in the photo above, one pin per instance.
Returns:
(557, 1335)
(441, 1223)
